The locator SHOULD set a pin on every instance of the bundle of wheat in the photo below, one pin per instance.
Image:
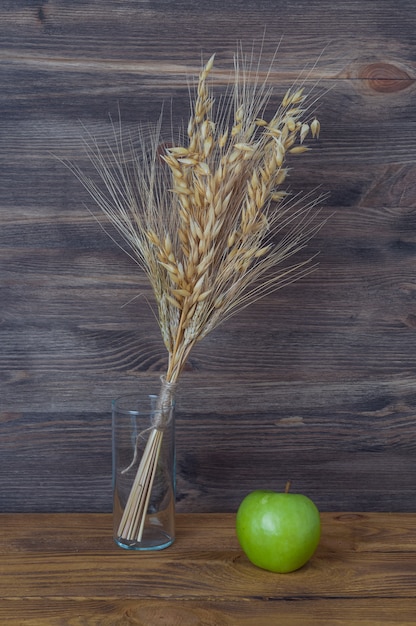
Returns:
(208, 221)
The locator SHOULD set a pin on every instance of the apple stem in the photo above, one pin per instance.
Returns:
(287, 488)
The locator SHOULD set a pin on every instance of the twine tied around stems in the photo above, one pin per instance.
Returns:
(161, 416)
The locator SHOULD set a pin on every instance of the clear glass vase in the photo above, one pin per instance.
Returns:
(144, 469)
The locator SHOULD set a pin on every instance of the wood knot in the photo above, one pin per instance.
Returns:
(411, 320)
(385, 77)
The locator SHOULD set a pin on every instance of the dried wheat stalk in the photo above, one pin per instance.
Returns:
(208, 220)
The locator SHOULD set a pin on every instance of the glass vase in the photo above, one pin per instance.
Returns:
(144, 469)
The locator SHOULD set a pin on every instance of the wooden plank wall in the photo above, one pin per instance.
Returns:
(316, 383)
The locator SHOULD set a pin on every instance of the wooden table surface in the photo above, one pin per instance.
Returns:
(65, 569)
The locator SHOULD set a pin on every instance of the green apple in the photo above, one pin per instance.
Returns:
(278, 531)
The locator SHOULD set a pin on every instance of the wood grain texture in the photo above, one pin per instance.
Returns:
(316, 383)
(64, 569)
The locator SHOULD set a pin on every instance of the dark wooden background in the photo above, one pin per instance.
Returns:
(316, 383)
